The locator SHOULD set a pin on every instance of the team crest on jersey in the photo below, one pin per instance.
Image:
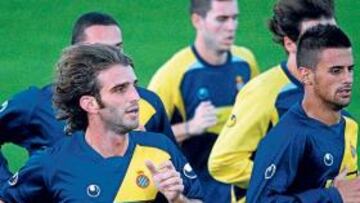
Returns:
(202, 93)
(14, 179)
(142, 180)
(189, 172)
(232, 121)
(4, 106)
(239, 82)
(93, 190)
(270, 171)
(328, 159)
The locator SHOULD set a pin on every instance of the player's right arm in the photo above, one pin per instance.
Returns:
(29, 184)
(14, 117)
(231, 157)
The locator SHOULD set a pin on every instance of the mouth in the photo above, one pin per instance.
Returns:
(345, 92)
(133, 111)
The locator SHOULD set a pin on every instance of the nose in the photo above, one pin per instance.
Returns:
(232, 23)
(348, 76)
(134, 94)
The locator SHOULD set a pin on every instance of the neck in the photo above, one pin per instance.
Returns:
(316, 109)
(211, 56)
(292, 67)
(106, 142)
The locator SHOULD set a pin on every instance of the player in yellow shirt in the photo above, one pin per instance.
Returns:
(198, 86)
(262, 101)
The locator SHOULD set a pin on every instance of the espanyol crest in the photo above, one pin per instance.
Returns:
(142, 180)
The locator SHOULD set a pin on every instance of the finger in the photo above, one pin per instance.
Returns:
(175, 188)
(166, 165)
(170, 182)
(342, 174)
(152, 168)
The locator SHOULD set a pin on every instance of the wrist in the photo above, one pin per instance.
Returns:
(179, 199)
(187, 129)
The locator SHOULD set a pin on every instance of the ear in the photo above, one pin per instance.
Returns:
(89, 104)
(306, 75)
(196, 20)
(290, 45)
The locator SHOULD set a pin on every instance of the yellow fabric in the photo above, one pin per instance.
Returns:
(129, 191)
(350, 154)
(167, 79)
(222, 114)
(146, 111)
(253, 111)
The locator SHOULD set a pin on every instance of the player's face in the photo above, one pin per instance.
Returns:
(219, 25)
(104, 34)
(333, 77)
(120, 112)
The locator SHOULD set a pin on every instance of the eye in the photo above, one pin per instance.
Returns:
(335, 70)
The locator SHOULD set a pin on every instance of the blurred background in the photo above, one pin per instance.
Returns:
(34, 32)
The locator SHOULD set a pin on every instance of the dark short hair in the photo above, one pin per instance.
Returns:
(77, 71)
(315, 40)
(90, 19)
(201, 7)
(289, 14)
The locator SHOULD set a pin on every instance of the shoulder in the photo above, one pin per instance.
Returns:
(268, 84)
(155, 140)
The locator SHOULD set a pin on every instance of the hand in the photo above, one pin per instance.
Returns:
(167, 180)
(205, 117)
(348, 189)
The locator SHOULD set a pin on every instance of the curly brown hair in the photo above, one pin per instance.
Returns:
(77, 71)
(288, 15)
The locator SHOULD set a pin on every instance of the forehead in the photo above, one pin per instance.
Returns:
(306, 24)
(336, 57)
(224, 7)
(103, 34)
(115, 75)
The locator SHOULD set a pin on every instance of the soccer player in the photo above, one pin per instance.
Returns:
(262, 101)
(103, 160)
(199, 83)
(314, 141)
(28, 119)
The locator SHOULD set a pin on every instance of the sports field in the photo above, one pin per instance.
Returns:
(34, 32)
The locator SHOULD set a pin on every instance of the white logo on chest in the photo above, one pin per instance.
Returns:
(328, 159)
(93, 190)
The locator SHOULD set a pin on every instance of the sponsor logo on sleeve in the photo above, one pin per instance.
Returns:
(270, 171)
(189, 172)
(4, 106)
(14, 179)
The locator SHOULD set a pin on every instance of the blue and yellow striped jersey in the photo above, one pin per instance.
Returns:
(258, 107)
(186, 80)
(72, 171)
(300, 157)
(28, 120)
